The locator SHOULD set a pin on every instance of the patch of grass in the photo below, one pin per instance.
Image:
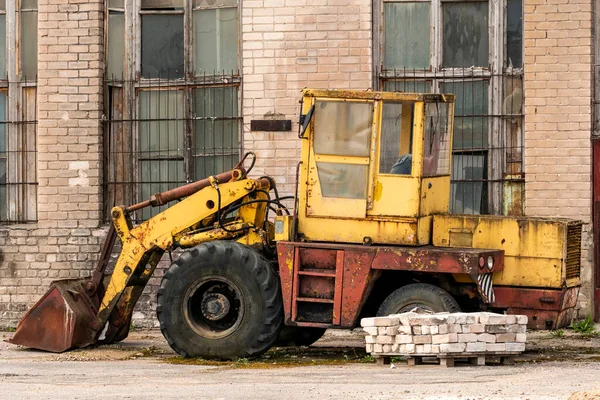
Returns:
(585, 326)
(558, 333)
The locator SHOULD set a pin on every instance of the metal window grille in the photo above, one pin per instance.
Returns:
(160, 134)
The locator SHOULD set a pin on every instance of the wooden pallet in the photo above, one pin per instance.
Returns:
(449, 359)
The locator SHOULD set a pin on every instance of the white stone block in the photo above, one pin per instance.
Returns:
(371, 330)
(386, 321)
(521, 337)
(442, 329)
(406, 317)
(416, 330)
(369, 348)
(422, 339)
(381, 330)
(387, 348)
(467, 337)
(425, 330)
(495, 347)
(391, 330)
(476, 328)
(454, 328)
(506, 337)
(492, 319)
(517, 328)
(511, 319)
(404, 339)
(404, 330)
(370, 338)
(476, 347)
(367, 322)
(377, 348)
(434, 329)
(486, 337)
(419, 349)
(395, 348)
(515, 347)
(435, 349)
(452, 347)
(447, 338)
(409, 348)
(384, 340)
(521, 319)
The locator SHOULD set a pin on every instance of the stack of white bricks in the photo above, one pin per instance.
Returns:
(413, 334)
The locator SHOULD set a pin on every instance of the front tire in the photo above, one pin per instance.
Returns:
(422, 296)
(220, 300)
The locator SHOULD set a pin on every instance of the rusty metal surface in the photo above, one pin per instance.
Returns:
(64, 318)
(163, 198)
(285, 256)
(546, 309)
(436, 259)
(357, 281)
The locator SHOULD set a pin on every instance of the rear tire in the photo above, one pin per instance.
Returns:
(423, 296)
(220, 300)
(299, 336)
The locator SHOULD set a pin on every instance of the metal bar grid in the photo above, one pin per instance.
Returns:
(487, 173)
(166, 134)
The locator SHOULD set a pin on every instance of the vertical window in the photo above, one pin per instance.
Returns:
(29, 19)
(407, 35)
(445, 46)
(173, 99)
(3, 39)
(116, 39)
(3, 157)
(465, 34)
(162, 39)
(215, 36)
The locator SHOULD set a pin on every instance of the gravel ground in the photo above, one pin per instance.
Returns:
(143, 366)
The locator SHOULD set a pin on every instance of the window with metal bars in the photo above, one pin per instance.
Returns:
(473, 49)
(173, 96)
(18, 124)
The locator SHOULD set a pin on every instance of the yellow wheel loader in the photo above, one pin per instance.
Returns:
(369, 234)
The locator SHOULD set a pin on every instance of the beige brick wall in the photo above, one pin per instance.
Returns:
(66, 240)
(288, 45)
(558, 115)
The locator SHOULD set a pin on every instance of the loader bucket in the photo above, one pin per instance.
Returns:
(62, 319)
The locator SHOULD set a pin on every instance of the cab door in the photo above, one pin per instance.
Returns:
(338, 175)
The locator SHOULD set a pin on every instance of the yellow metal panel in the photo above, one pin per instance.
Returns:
(435, 195)
(534, 248)
(424, 227)
(373, 95)
(283, 228)
(396, 195)
(392, 231)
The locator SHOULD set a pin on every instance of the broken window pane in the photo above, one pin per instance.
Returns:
(343, 180)
(217, 130)
(407, 35)
(408, 86)
(343, 128)
(162, 46)
(436, 141)
(471, 113)
(29, 48)
(161, 4)
(216, 40)
(116, 44)
(3, 46)
(161, 149)
(466, 36)
(514, 33)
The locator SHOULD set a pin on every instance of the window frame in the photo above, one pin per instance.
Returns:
(134, 83)
(496, 73)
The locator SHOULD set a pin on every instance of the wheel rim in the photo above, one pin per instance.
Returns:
(213, 307)
(420, 308)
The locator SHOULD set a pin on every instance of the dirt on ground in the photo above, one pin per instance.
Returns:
(556, 365)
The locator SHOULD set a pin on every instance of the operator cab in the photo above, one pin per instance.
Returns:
(374, 161)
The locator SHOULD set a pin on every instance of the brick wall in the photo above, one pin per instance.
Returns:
(558, 115)
(289, 45)
(66, 240)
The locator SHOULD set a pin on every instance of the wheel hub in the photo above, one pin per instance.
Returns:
(215, 306)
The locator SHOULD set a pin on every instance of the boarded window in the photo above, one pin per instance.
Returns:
(29, 50)
(407, 35)
(216, 40)
(466, 37)
(217, 130)
(162, 46)
(161, 149)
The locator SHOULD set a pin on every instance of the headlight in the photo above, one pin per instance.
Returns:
(490, 262)
(481, 262)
